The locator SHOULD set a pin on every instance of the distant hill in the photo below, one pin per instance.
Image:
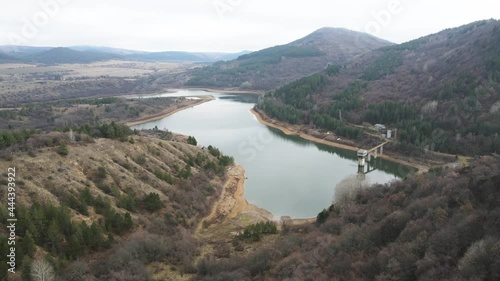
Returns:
(441, 91)
(51, 55)
(87, 54)
(164, 56)
(6, 58)
(21, 51)
(275, 66)
(181, 56)
(67, 55)
(226, 56)
(103, 49)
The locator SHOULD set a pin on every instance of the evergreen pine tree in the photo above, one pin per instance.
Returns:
(28, 246)
(26, 268)
(128, 223)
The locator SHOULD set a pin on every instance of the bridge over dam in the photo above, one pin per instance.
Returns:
(364, 154)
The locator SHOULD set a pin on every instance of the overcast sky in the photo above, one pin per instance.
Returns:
(224, 25)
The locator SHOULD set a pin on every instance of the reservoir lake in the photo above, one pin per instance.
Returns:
(286, 175)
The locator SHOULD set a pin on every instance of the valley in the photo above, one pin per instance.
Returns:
(165, 165)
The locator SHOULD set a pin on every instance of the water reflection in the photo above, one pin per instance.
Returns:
(243, 98)
(375, 163)
(288, 138)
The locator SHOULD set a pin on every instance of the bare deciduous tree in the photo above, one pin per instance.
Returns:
(41, 270)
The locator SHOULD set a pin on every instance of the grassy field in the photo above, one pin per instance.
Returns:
(25, 83)
(114, 68)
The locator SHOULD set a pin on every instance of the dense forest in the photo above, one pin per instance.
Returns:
(247, 65)
(443, 225)
(294, 104)
(455, 110)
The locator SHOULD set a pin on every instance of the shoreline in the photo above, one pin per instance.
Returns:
(209, 90)
(290, 132)
(221, 91)
(169, 111)
(282, 127)
(232, 204)
(232, 210)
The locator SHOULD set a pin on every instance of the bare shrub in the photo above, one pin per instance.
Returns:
(347, 190)
(222, 250)
(77, 271)
(430, 108)
(477, 257)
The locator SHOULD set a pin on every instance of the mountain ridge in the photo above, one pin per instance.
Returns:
(275, 66)
(434, 89)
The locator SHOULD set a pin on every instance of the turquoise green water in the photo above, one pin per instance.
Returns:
(286, 175)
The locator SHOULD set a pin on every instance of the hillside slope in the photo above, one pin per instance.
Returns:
(438, 226)
(440, 91)
(93, 198)
(275, 66)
